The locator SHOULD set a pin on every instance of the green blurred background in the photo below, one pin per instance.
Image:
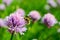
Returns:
(37, 30)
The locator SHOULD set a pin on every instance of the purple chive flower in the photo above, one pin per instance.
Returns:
(7, 2)
(2, 23)
(21, 12)
(58, 2)
(35, 15)
(16, 23)
(2, 6)
(49, 20)
(52, 3)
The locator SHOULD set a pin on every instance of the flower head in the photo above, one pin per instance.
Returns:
(49, 20)
(20, 12)
(2, 6)
(16, 22)
(35, 15)
(7, 2)
(2, 23)
(58, 2)
(52, 3)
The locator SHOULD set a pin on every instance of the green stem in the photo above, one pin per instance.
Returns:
(12, 36)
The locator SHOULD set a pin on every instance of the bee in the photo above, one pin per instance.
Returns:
(27, 18)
